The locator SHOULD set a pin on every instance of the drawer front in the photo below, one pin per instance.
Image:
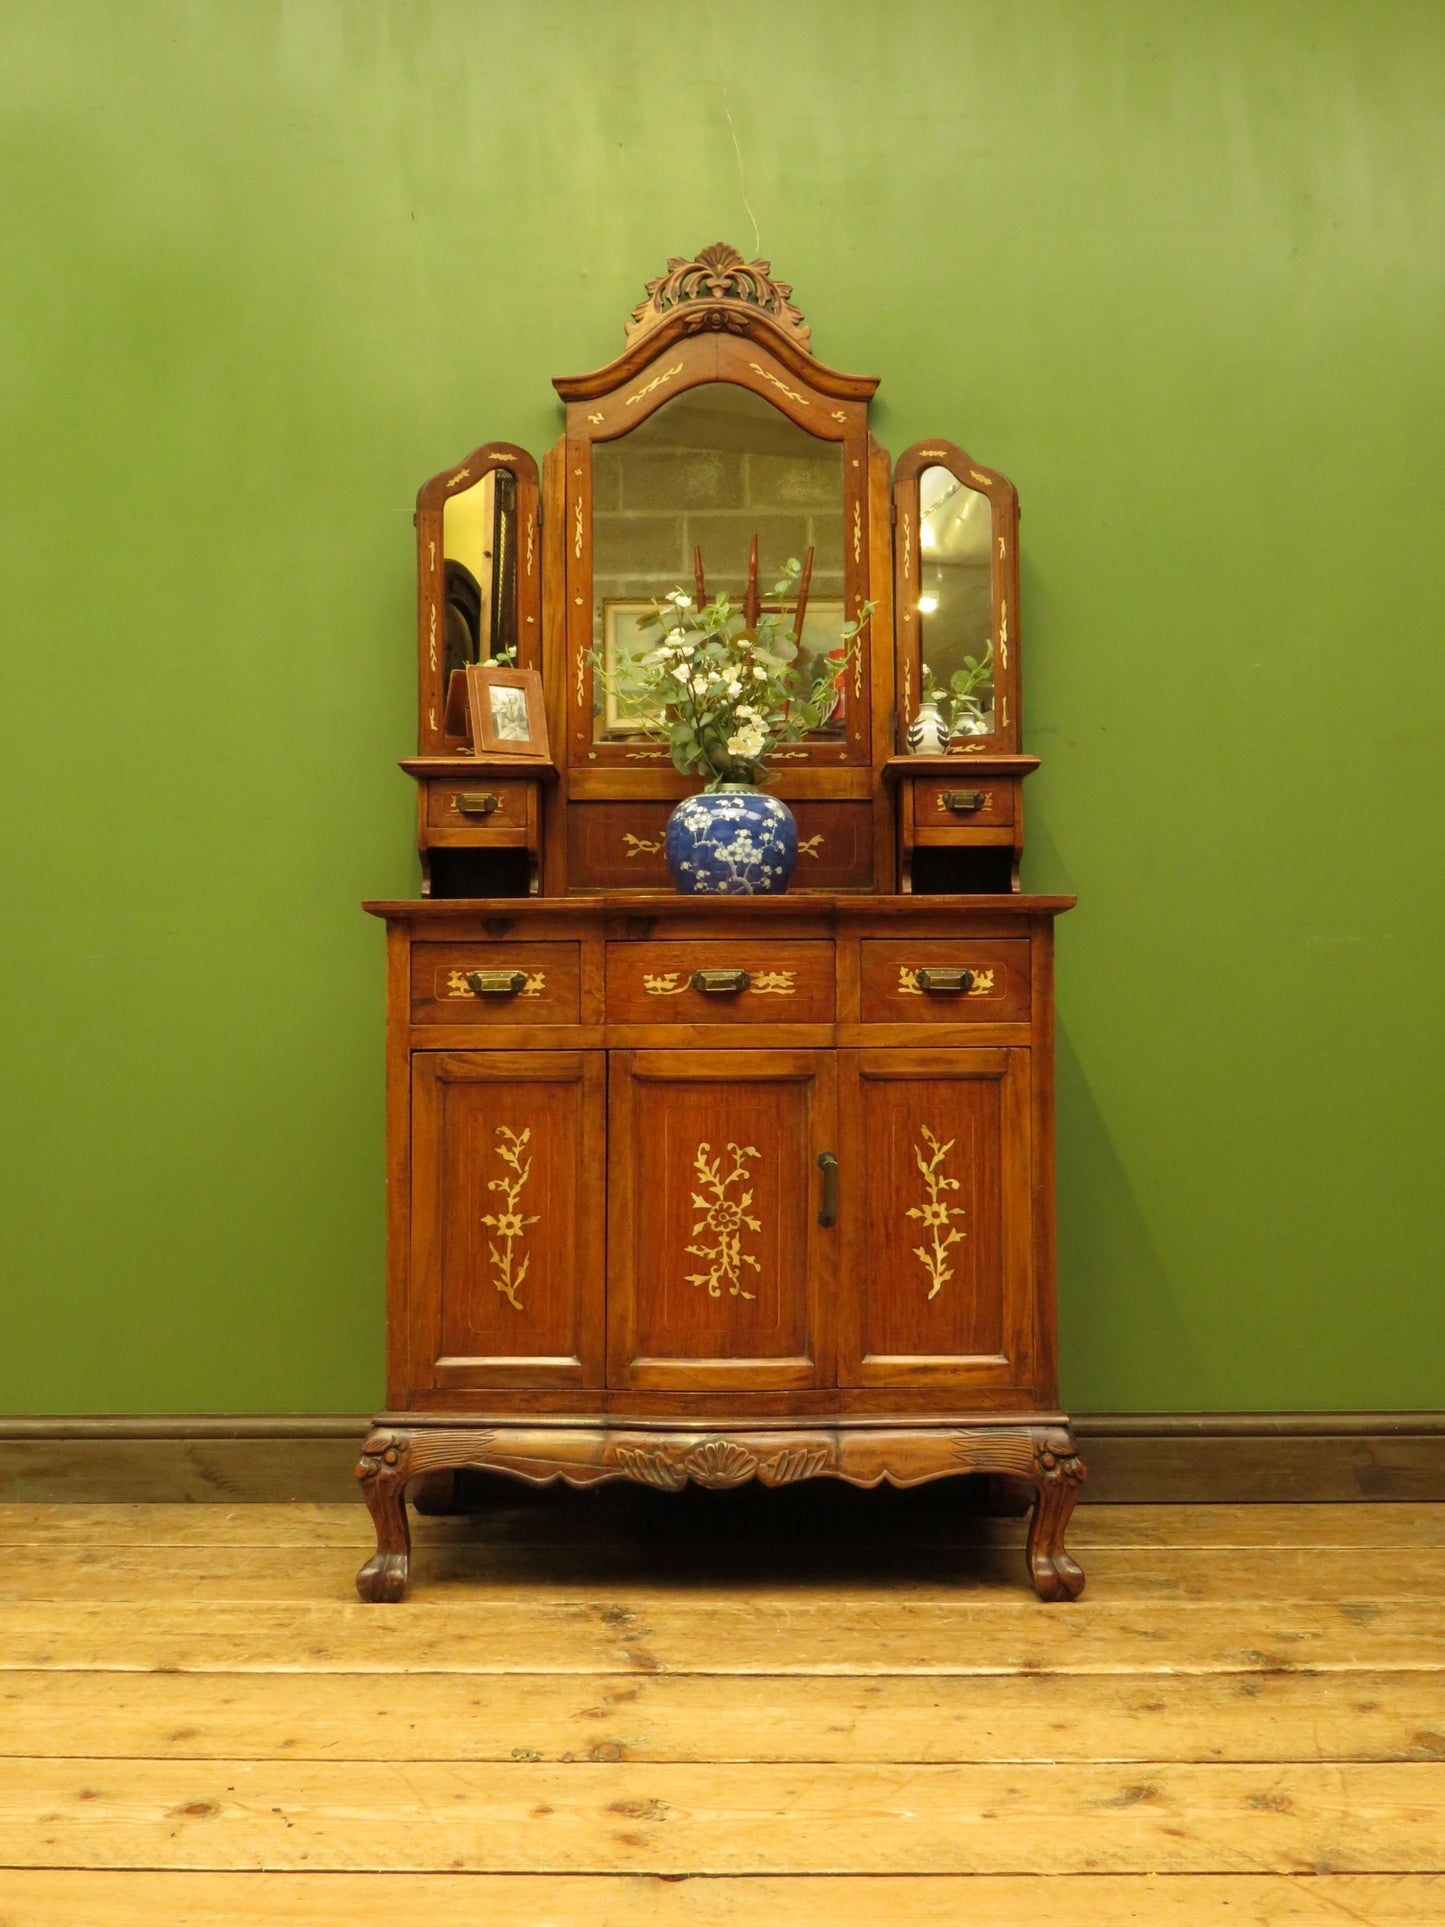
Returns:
(442, 991)
(962, 802)
(785, 983)
(998, 994)
(484, 804)
(620, 846)
(835, 846)
(617, 846)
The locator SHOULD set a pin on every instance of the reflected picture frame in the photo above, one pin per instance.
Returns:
(505, 706)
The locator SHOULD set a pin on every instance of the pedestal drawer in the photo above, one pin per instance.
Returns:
(485, 803)
(953, 980)
(964, 802)
(733, 982)
(496, 983)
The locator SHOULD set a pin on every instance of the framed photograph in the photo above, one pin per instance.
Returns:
(506, 711)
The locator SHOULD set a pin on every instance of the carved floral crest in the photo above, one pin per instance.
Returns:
(718, 273)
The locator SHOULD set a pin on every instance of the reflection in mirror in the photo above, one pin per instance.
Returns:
(705, 473)
(479, 550)
(955, 603)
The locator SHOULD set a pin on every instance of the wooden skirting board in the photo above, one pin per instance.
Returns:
(1132, 1458)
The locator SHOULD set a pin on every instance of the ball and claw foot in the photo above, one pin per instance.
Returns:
(383, 1473)
(382, 1580)
(1058, 1475)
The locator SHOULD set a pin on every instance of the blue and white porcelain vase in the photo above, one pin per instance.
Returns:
(734, 841)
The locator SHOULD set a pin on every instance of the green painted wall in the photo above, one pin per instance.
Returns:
(1176, 269)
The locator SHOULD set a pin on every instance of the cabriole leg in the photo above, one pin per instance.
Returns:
(383, 1474)
(1058, 1474)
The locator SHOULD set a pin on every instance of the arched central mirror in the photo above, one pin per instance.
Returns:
(680, 501)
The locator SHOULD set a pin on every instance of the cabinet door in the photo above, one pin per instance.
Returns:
(719, 1273)
(507, 1199)
(937, 1259)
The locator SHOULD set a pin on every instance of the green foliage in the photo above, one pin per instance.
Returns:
(720, 694)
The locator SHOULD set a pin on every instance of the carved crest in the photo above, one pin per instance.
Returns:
(718, 274)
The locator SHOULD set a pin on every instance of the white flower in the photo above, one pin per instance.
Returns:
(760, 672)
(699, 684)
(747, 710)
(747, 744)
(735, 688)
(676, 596)
(713, 676)
(682, 674)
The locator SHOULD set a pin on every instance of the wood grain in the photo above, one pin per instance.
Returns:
(99, 1899)
(449, 1632)
(773, 1717)
(526, 1817)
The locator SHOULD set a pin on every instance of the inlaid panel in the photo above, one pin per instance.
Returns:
(963, 801)
(716, 1260)
(507, 1232)
(478, 983)
(935, 1202)
(734, 981)
(835, 846)
(617, 846)
(480, 803)
(917, 981)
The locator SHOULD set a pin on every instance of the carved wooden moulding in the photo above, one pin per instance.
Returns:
(1043, 1455)
(718, 275)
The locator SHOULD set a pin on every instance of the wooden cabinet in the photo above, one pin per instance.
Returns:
(728, 1185)
(703, 1189)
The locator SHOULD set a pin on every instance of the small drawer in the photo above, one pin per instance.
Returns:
(720, 983)
(477, 983)
(998, 992)
(487, 803)
(961, 803)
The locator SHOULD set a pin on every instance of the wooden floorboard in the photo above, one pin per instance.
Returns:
(596, 1710)
(48, 1899)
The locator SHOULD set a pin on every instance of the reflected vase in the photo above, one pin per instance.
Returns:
(734, 841)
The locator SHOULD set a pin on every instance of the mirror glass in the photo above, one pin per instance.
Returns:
(479, 563)
(955, 602)
(702, 476)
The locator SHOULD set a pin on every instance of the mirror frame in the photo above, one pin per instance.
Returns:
(432, 739)
(908, 578)
(687, 347)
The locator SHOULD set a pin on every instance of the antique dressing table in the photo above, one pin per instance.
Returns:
(716, 1188)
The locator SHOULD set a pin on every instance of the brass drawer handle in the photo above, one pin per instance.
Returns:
(476, 802)
(497, 983)
(949, 980)
(719, 983)
(963, 802)
(828, 1209)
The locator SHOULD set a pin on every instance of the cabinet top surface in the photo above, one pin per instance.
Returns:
(661, 908)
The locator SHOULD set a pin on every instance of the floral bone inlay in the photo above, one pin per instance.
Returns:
(937, 1213)
(811, 845)
(457, 985)
(510, 1225)
(664, 985)
(791, 393)
(656, 382)
(775, 983)
(982, 985)
(726, 1218)
(641, 845)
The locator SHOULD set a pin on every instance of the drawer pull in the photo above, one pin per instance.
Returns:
(828, 1209)
(476, 802)
(950, 980)
(497, 983)
(719, 983)
(963, 802)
